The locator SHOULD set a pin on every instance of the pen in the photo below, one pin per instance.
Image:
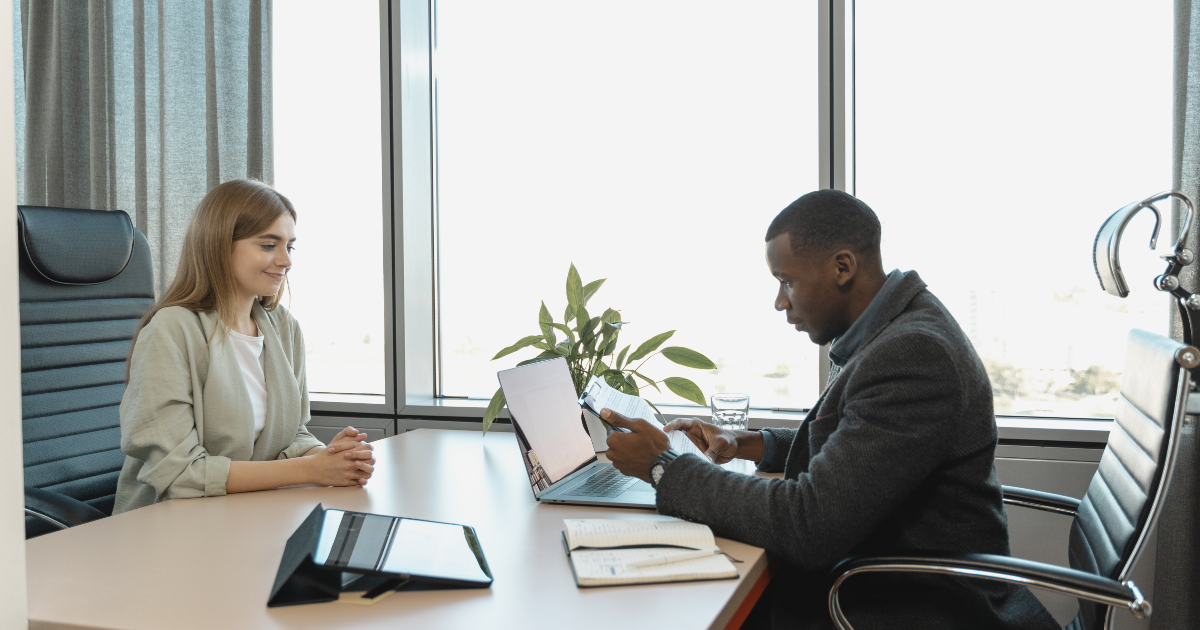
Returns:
(674, 557)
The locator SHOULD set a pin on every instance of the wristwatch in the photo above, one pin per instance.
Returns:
(659, 466)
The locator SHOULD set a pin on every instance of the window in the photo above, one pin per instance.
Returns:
(649, 143)
(328, 161)
(993, 139)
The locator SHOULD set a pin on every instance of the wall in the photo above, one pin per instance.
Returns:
(12, 496)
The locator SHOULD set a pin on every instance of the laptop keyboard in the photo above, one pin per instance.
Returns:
(609, 482)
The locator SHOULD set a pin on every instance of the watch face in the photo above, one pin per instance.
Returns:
(656, 473)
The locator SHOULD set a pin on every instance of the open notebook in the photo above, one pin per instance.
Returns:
(600, 551)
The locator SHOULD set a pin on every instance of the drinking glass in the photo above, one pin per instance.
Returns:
(730, 411)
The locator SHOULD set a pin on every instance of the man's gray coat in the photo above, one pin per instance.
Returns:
(897, 455)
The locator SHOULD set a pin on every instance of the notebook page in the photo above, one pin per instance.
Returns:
(610, 567)
(606, 533)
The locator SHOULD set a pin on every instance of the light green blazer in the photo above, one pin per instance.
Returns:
(186, 411)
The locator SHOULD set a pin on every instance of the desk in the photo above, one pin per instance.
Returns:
(207, 563)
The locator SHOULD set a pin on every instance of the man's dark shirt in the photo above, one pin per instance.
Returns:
(897, 455)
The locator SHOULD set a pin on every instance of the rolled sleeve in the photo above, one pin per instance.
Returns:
(303, 443)
(216, 475)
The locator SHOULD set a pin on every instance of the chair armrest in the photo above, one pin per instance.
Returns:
(57, 509)
(1038, 500)
(1079, 584)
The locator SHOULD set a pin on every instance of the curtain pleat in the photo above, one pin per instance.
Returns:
(142, 106)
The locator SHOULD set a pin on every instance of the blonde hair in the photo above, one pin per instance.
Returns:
(204, 281)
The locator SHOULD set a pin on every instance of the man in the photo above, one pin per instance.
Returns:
(895, 456)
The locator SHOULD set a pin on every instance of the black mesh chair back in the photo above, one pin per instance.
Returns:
(86, 278)
(1110, 524)
(1124, 498)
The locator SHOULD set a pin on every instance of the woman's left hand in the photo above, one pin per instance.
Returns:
(353, 446)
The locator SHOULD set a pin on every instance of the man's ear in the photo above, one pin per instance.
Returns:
(846, 266)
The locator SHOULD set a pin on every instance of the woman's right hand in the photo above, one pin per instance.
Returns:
(345, 462)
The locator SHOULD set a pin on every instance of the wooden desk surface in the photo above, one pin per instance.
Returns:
(206, 563)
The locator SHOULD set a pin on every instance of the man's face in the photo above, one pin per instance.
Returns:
(808, 290)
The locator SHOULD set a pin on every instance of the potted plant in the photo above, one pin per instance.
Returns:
(589, 344)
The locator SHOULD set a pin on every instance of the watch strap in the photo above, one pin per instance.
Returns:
(664, 459)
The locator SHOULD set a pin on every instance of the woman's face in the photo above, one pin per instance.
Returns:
(261, 261)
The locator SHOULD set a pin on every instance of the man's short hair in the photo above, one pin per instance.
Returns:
(826, 221)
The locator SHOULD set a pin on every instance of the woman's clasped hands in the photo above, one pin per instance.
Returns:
(348, 460)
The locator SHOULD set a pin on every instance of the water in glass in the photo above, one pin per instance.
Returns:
(730, 411)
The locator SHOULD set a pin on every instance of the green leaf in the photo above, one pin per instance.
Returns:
(612, 318)
(614, 379)
(630, 386)
(649, 381)
(661, 418)
(685, 389)
(591, 324)
(544, 320)
(621, 357)
(574, 288)
(563, 349)
(570, 334)
(589, 290)
(600, 368)
(523, 343)
(493, 410)
(568, 314)
(582, 316)
(688, 358)
(609, 347)
(650, 345)
(542, 345)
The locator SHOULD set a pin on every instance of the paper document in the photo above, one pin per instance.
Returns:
(681, 443)
(600, 532)
(599, 395)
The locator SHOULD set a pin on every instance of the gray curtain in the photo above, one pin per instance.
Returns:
(141, 106)
(1176, 598)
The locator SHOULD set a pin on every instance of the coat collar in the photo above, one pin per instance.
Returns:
(909, 287)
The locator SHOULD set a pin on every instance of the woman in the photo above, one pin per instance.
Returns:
(216, 400)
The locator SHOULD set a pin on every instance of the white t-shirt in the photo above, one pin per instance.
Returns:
(249, 355)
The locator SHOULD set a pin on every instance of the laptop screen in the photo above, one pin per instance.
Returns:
(545, 411)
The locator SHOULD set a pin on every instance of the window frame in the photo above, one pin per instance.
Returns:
(372, 405)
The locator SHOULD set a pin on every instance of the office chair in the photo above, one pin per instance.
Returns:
(86, 278)
(1114, 518)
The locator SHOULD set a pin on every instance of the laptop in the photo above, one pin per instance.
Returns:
(557, 450)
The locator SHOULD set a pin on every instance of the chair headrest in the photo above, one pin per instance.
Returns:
(70, 246)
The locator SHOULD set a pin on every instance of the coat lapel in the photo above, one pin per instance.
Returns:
(283, 391)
